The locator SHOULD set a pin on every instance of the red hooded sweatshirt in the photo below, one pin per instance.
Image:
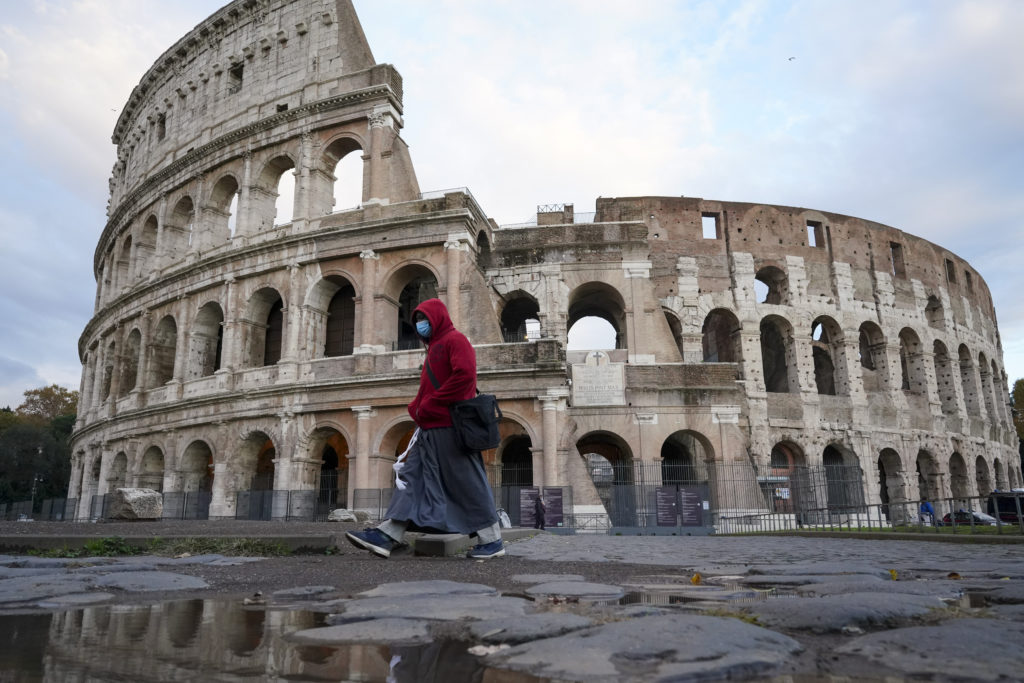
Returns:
(453, 362)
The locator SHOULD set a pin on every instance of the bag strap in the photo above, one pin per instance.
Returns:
(430, 374)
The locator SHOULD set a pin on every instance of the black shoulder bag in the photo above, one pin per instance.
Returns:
(475, 419)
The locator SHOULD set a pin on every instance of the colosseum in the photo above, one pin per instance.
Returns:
(253, 358)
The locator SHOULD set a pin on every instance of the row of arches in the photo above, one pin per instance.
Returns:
(245, 198)
(957, 476)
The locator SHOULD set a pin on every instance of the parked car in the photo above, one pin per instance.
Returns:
(964, 517)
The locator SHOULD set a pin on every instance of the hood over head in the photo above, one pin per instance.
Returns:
(437, 313)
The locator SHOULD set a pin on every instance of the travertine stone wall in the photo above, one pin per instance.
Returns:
(235, 350)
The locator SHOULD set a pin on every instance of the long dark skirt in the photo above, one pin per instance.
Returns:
(447, 489)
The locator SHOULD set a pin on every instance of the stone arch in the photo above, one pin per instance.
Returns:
(892, 488)
(787, 468)
(340, 166)
(959, 480)
(392, 442)
(253, 464)
(982, 476)
(929, 483)
(162, 352)
(123, 265)
(407, 287)
(520, 317)
(684, 458)
(720, 337)
(483, 251)
(1002, 483)
(771, 285)
(206, 341)
(196, 469)
(778, 356)
(264, 193)
(108, 369)
(145, 248)
(332, 309)
(984, 370)
(944, 378)
(263, 328)
(968, 380)
(609, 461)
(151, 469)
(828, 352)
(117, 477)
(871, 349)
(844, 479)
(912, 370)
(218, 211)
(675, 326)
(329, 447)
(599, 300)
(934, 314)
(1001, 392)
(130, 363)
(177, 232)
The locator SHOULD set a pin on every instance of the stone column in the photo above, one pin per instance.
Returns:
(244, 219)
(231, 346)
(376, 188)
(362, 451)
(163, 258)
(366, 298)
(142, 369)
(181, 345)
(456, 244)
(287, 370)
(115, 372)
(303, 190)
(636, 270)
(552, 401)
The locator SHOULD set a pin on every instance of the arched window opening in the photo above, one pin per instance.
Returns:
(844, 481)
(969, 382)
(284, 203)
(986, 388)
(891, 488)
(197, 468)
(771, 286)
(206, 341)
(275, 328)
(933, 313)
(517, 462)
(911, 363)
(341, 322)
(959, 483)
(130, 367)
(151, 474)
(348, 182)
(253, 468)
(413, 294)
(520, 320)
(927, 476)
(330, 448)
(178, 229)
(777, 356)
(684, 460)
(483, 251)
(720, 337)
(1001, 392)
(609, 462)
(944, 378)
(597, 318)
(676, 328)
(826, 346)
(1001, 481)
(982, 476)
(162, 351)
(786, 486)
(145, 249)
(220, 212)
(118, 477)
(124, 264)
(108, 371)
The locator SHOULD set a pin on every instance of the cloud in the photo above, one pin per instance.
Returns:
(15, 377)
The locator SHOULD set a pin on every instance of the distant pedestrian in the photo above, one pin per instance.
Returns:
(539, 512)
(927, 512)
(442, 488)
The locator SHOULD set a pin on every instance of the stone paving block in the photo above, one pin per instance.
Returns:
(1012, 593)
(420, 588)
(942, 589)
(530, 627)
(150, 581)
(804, 579)
(31, 588)
(583, 590)
(387, 630)
(75, 600)
(671, 647)
(302, 592)
(836, 612)
(436, 607)
(952, 650)
(545, 578)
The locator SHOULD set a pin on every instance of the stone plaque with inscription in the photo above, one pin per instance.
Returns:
(598, 382)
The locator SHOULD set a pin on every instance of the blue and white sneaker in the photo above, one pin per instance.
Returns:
(374, 540)
(485, 551)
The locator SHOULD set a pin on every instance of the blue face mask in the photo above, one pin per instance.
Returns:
(423, 328)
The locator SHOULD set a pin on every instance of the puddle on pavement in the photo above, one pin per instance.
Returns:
(716, 591)
(213, 640)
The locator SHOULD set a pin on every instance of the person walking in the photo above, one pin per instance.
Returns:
(442, 488)
(539, 512)
(927, 512)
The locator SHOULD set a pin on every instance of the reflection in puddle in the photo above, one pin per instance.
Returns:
(214, 640)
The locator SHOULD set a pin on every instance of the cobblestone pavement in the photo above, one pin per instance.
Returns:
(585, 607)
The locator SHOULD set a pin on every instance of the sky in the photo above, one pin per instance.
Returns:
(909, 113)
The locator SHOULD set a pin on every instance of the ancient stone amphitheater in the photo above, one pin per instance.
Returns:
(247, 363)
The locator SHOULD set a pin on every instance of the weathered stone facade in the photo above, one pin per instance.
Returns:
(229, 352)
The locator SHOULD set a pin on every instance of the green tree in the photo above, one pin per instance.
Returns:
(34, 445)
(46, 403)
(1017, 403)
